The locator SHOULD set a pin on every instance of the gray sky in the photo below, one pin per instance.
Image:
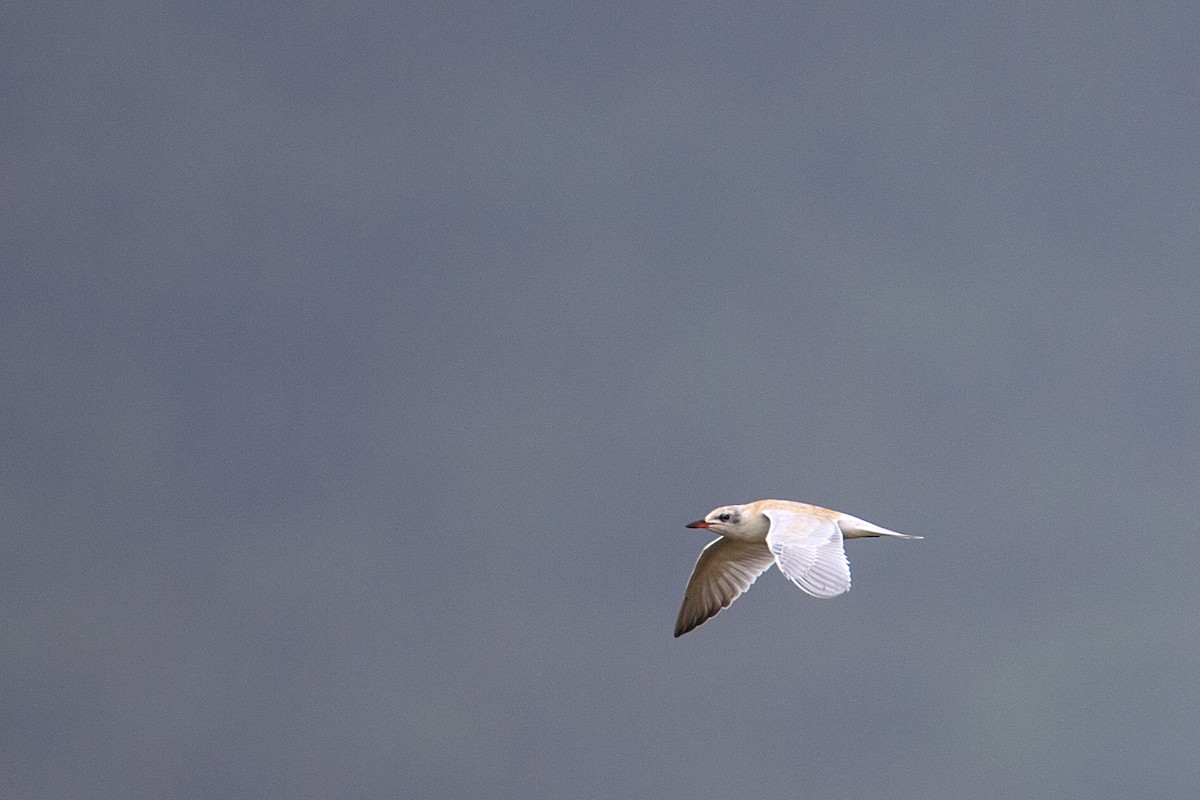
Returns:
(364, 363)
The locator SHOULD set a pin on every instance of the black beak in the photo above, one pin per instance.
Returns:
(697, 524)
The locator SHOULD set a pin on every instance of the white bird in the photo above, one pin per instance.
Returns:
(804, 541)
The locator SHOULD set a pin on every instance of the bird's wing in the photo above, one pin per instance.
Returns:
(809, 551)
(725, 569)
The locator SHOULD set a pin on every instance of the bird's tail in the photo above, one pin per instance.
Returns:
(855, 528)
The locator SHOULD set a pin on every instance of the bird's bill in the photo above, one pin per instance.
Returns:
(697, 524)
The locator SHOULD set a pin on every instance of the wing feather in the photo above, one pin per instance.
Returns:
(809, 551)
(726, 568)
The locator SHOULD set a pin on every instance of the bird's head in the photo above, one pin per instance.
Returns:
(726, 520)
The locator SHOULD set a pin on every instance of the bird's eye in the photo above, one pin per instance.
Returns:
(724, 518)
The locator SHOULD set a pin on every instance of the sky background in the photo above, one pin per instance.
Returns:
(363, 363)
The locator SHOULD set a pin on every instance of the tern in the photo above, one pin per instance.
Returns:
(804, 541)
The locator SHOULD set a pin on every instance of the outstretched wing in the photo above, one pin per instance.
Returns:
(808, 550)
(726, 568)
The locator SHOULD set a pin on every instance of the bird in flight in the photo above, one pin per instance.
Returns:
(804, 541)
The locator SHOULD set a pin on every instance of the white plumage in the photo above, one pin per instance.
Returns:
(804, 541)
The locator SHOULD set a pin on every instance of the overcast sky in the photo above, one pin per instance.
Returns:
(364, 362)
